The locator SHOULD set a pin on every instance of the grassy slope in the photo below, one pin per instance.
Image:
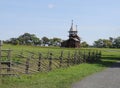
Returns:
(61, 78)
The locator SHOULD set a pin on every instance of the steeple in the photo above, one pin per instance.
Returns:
(76, 27)
(73, 30)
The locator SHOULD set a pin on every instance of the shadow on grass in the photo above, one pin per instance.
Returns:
(109, 61)
(105, 63)
(111, 56)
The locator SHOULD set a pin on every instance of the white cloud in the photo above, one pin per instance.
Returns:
(51, 6)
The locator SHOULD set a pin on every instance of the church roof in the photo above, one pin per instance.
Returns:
(75, 39)
(73, 28)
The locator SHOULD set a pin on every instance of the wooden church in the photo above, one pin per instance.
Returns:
(74, 39)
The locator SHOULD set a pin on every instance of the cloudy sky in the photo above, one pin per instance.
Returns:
(52, 18)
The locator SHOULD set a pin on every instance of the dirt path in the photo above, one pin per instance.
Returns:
(109, 78)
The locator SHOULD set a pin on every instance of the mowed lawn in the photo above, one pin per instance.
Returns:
(59, 78)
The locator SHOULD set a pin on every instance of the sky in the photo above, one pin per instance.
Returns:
(52, 18)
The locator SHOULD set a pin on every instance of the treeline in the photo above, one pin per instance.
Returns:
(107, 43)
(32, 39)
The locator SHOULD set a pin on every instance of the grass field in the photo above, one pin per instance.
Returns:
(59, 78)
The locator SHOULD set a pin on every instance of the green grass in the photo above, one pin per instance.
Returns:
(59, 78)
(111, 54)
(37, 49)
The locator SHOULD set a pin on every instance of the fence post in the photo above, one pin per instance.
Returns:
(80, 57)
(96, 55)
(27, 65)
(50, 62)
(39, 62)
(61, 59)
(93, 56)
(100, 54)
(68, 60)
(88, 56)
(0, 58)
(84, 57)
(9, 60)
(75, 57)
(1, 43)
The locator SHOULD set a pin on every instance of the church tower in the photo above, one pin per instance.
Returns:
(72, 31)
(74, 39)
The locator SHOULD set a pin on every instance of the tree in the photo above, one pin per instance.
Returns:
(14, 41)
(56, 41)
(103, 43)
(111, 39)
(98, 43)
(25, 39)
(36, 41)
(29, 39)
(107, 43)
(116, 42)
(51, 42)
(84, 44)
(45, 40)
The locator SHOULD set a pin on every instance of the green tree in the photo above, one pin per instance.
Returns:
(98, 43)
(26, 39)
(116, 42)
(107, 43)
(84, 44)
(111, 39)
(30, 39)
(56, 41)
(103, 43)
(36, 41)
(14, 41)
(45, 40)
(51, 42)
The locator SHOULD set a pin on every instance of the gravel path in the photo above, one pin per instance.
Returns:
(109, 78)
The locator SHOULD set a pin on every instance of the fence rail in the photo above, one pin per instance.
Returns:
(33, 62)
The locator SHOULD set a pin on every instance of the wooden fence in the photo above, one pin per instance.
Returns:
(33, 62)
